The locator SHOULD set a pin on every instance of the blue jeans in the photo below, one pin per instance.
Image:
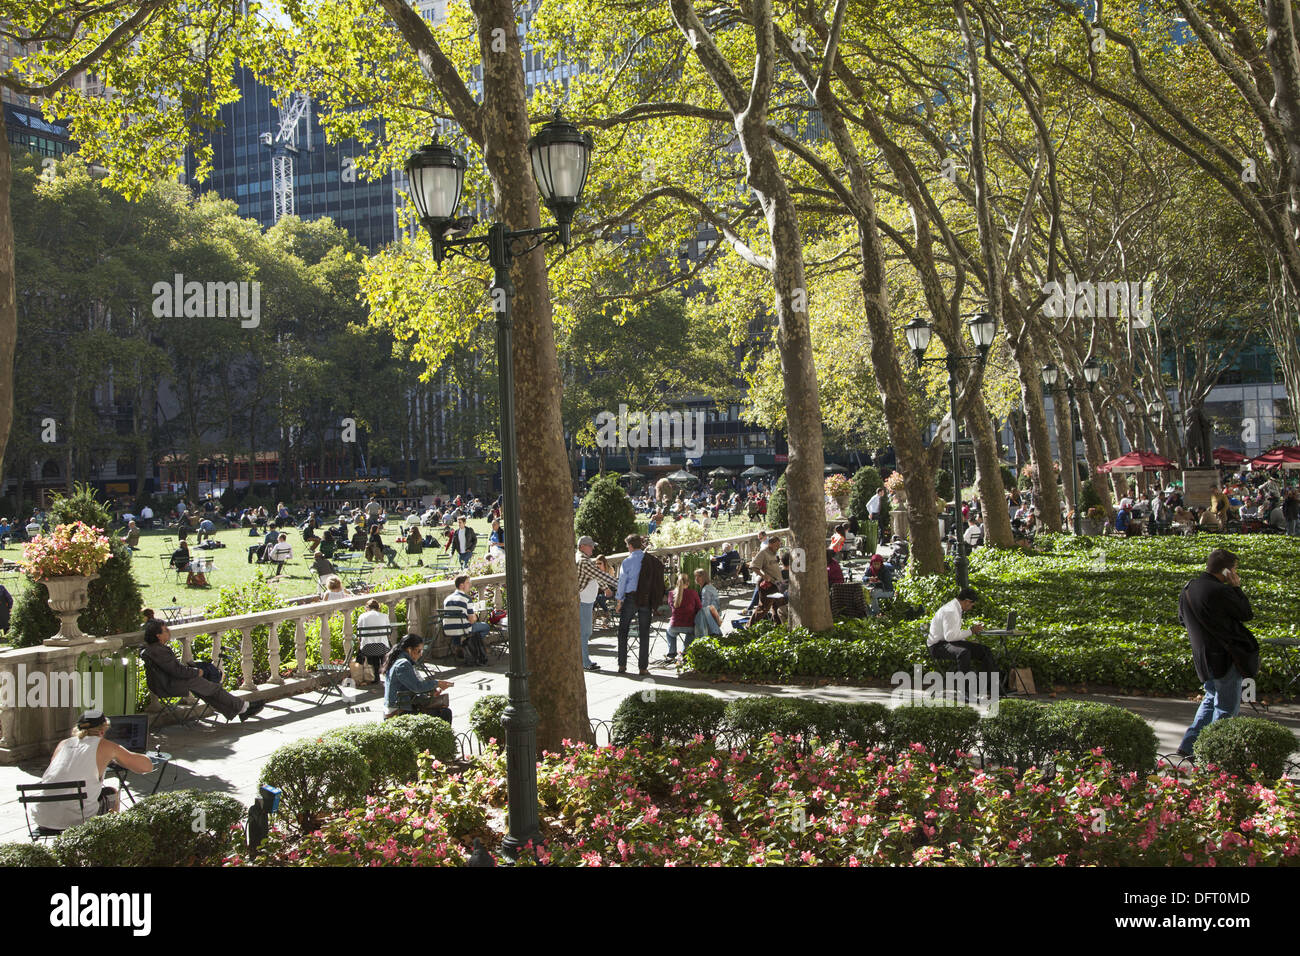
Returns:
(876, 595)
(1293, 526)
(464, 559)
(1222, 699)
(688, 635)
(584, 628)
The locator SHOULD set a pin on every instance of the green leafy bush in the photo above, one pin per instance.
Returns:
(1235, 743)
(389, 753)
(485, 718)
(755, 717)
(1075, 726)
(1088, 496)
(26, 854)
(942, 730)
(171, 819)
(778, 506)
(1008, 479)
(316, 776)
(113, 839)
(427, 734)
(1010, 738)
(943, 485)
(865, 482)
(606, 514)
(667, 716)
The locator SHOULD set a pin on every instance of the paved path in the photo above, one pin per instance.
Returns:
(227, 758)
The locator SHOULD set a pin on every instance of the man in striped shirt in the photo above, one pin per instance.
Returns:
(463, 626)
(590, 580)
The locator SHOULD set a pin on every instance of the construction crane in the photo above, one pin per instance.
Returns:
(283, 145)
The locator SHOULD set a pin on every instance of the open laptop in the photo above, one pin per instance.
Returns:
(130, 731)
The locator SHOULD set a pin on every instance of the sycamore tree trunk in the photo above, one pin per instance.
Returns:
(988, 474)
(8, 302)
(1092, 450)
(550, 576)
(1065, 445)
(809, 591)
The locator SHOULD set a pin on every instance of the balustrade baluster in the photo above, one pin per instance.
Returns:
(300, 646)
(246, 645)
(273, 651)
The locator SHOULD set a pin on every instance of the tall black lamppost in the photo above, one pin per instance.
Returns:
(560, 159)
(982, 326)
(1091, 373)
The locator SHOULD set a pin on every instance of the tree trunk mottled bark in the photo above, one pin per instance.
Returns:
(1065, 445)
(559, 691)
(988, 475)
(8, 302)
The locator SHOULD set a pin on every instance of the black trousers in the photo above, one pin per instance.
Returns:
(643, 625)
(963, 652)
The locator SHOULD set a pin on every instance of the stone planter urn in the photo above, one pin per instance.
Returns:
(842, 502)
(69, 595)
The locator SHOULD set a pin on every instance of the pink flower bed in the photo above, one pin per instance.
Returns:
(838, 806)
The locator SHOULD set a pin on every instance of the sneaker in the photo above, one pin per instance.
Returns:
(593, 666)
(253, 710)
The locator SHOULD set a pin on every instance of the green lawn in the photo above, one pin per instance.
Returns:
(160, 586)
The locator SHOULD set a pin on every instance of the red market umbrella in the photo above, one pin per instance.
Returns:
(1286, 457)
(1226, 456)
(1136, 461)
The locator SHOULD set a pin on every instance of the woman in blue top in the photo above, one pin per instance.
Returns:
(404, 691)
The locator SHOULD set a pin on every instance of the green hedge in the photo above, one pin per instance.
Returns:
(114, 839)
(428, 734)
(314, 777)
(485, 718)
(943, 731)
(1246, 746)
(389, 753)
(754, 717)
(1027, 733)
(672, 716)
(26, 854)
(188, 827)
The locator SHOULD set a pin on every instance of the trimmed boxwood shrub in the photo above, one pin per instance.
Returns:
(314, 777)
(428, 734)
(865, 482)
(755, 717)
(778, 506)
(114, 839)
(862, 723)
(170, 819)
(485, 718)
(1235, 743)
(667, 716)
(26, 854)
(606, 513)
(389, 753)
(943, 730)
(943, 485)
(1011, 737)
(1075, 726)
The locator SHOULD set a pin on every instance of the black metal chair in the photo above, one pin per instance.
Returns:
(30, 793)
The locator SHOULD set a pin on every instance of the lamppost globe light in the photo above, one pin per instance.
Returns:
(1091, 371)
(437, 175)
(1050, 375)
(1153, 409)
(918, 333)
(561, 157)
(982, 327)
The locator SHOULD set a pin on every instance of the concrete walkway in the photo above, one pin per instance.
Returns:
(227, 758)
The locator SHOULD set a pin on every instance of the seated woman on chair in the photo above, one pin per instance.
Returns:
(415, 543)
(85, 756)
(404, 691)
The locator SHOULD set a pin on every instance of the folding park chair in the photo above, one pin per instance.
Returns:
(443, 644)
(29, 793)
(373, 635)
(659, 615)
(174, 706)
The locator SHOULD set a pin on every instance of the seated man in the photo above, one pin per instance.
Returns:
(205, 529)
(974, 535)
(322, 567)
(725, 562)
(262, 551)
(834, 573)
(463, 626)
(168, 677)
(1124, 519)
(85, 756)
(948, 640)
(132, 536)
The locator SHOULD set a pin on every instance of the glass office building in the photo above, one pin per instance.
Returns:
(29, 132)
(326, 180)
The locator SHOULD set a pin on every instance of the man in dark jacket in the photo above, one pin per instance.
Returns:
(640, 591)
(168, 677)
(1214, 610)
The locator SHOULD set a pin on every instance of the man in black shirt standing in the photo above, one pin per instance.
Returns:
(1214, 610)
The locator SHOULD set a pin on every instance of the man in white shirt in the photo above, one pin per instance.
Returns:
(280, 554)
(590, 580)
(372, 647)
(948, 640)
(974, 533)
(146, 517)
